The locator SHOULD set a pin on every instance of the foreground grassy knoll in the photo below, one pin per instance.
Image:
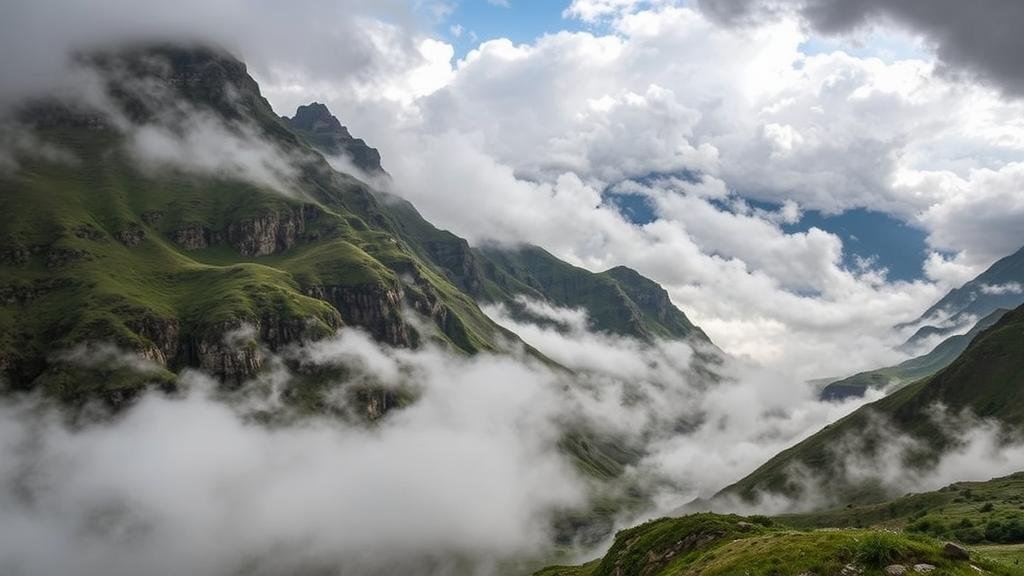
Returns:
(711, 544)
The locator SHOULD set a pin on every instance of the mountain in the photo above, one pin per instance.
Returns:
(986, 380)
(165, 261)
(319, 127)
(618, 301)
(909, 370)
(1001, 286)
(142, 233)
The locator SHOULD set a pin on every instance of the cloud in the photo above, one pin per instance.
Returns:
(699, 432)
(468, 474)
(978, 213)
(1008, 288)
(533, 135)
(202, 144)
(360, 47)
(975, 41)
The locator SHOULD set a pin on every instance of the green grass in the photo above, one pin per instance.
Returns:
(1010, 556)
(712, 545)
(968, 512)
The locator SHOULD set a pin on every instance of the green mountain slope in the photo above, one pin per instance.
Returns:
(618, 301)
(910, 370)
(987, 380)
(166, 261)
(1000, 286)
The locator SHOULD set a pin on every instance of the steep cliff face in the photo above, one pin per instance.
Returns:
(259, 235)
(376, 308)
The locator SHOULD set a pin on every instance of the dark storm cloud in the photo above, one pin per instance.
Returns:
(980, 39)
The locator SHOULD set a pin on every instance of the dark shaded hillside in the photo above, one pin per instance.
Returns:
(986, 380)
(910, 370)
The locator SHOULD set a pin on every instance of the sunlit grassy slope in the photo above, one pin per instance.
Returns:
(713, 545)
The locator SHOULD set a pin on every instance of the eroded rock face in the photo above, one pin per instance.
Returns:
(235, 351)
(376, 308)
(191, 237)
(21, 294)
(232, 363)
(131, 237)
(459, 259)
(255, 236)
(317, 124)
(164, 333)
(270, 233)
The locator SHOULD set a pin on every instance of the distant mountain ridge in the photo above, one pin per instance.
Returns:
(1000, 286)
(909, 370)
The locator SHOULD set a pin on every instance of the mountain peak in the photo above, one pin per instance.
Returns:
(144, 76)
(316, 118)
(324, 131)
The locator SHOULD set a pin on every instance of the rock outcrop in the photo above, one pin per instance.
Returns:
(316, 123)
(261, 235)
(373, 307)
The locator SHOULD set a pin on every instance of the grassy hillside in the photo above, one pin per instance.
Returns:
(987, 380)
(990, 512)
(618, 301)
(910, 370)
(165, 261)
(712, 545)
